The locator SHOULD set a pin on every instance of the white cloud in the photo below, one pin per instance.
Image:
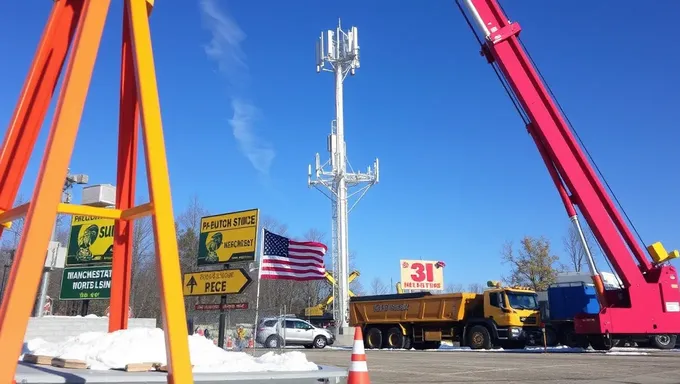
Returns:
(225, 49)
(258, 152)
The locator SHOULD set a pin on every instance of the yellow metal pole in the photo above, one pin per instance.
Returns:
(167, 255)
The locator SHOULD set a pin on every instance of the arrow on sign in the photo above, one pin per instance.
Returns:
(220, 282)
(191, 284)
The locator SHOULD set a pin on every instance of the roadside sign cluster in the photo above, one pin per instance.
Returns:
(87, 273)
(224, 239)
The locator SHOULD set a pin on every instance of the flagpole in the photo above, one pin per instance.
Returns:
(257, 295)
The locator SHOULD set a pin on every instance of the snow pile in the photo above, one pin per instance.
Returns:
(103, 351)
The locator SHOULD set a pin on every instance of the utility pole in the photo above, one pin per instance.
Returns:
(66, 198)
(340, 50)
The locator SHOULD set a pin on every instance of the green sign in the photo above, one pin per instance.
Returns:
(87, 283)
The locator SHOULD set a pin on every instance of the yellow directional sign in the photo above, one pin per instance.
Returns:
(228, 237)
(224, 282)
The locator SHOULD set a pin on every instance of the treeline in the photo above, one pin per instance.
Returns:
(145, 298)
(532, 263)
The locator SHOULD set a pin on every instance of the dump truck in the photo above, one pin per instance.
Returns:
(506, 317)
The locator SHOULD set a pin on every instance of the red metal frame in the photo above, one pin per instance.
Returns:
(639, 307)
(128, 134)
(35, 98)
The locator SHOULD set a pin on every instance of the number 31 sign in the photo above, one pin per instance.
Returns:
(422, 275)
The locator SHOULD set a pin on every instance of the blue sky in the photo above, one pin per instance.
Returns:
(244, 113)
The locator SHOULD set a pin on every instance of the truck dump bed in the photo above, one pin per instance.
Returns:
(413, 307)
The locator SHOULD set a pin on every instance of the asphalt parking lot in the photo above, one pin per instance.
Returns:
(394, 367)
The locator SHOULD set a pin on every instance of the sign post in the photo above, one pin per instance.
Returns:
(221, 282)
(87, 272)
(224, 239)
(223, 318)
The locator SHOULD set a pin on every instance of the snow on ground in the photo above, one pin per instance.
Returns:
(103, 351)
(448, 346)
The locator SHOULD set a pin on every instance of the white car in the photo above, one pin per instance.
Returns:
(271, 333)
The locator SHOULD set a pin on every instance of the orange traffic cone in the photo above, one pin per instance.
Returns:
(358, 369)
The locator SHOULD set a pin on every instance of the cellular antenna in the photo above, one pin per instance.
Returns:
(337, 51)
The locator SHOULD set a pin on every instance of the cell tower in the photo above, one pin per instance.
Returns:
(340, 50)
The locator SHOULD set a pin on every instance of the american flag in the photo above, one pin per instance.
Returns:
(285, 259)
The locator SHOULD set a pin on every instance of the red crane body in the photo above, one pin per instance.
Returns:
(649, 300)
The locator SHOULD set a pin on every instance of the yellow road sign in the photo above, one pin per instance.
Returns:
(224, 282)
(228, 237)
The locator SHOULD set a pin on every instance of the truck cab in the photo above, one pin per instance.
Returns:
(511, 314)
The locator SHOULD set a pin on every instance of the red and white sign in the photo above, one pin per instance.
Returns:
(215, 307)
(424, 275)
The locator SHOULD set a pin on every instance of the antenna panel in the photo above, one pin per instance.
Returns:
(318, 50)
(355, 40)
(331, 47)
(350, 43)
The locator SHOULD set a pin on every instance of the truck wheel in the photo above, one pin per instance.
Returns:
(601, 342)
(373, 338)
(479, 338)
(664, 341)
(395, 339)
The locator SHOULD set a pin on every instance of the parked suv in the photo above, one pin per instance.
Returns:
(271, 333)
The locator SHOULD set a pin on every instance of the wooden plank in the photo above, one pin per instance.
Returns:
(141, 367)
(37, 359)
(69, 363)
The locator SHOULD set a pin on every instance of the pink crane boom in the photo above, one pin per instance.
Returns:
(648, 302)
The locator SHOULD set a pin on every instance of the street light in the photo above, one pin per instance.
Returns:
(71, 180)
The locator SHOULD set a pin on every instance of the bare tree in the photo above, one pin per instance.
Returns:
(453, 288)
(272, 225)
(574, 247)
(475, 288)
(378, 287)
(191, 216)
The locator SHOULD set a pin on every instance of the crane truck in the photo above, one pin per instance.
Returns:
(648, 301)
(506, 317)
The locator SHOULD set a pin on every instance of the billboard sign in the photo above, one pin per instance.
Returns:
(228, 237)
(90, 241)
(422, 275)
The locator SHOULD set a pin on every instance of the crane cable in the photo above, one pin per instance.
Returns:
(526, 119)
(501, 78)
